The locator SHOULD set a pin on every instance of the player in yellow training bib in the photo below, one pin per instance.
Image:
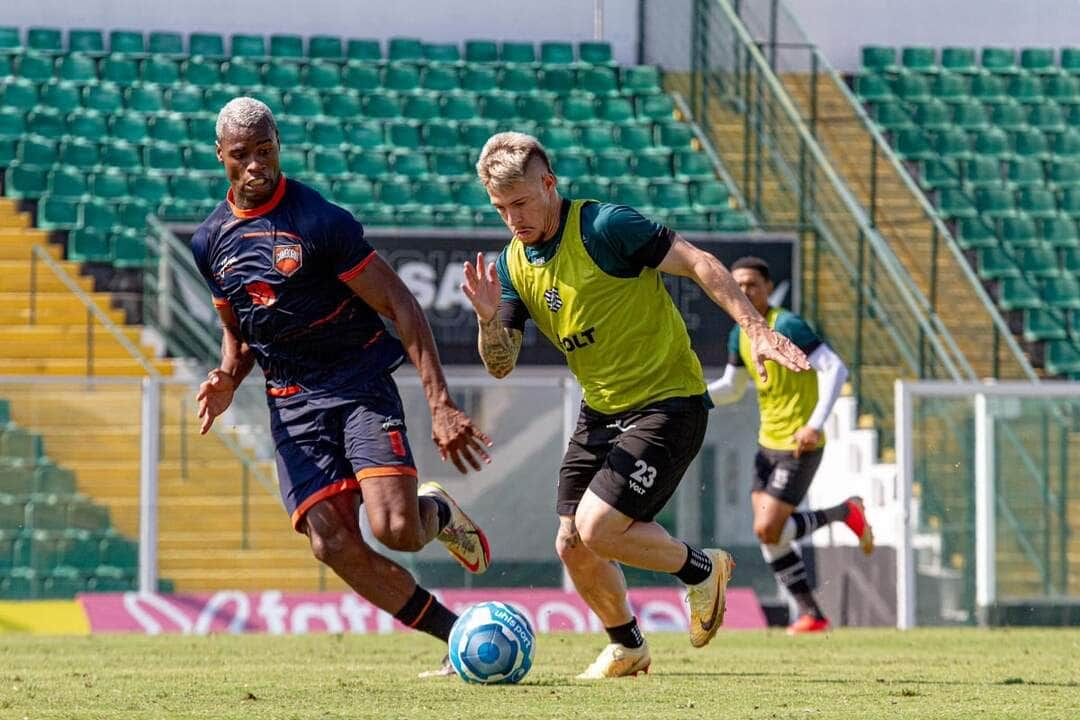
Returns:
(589, 275)
(793, 409)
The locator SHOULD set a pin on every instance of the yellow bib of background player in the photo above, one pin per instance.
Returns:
(623, 338)
(786, 401)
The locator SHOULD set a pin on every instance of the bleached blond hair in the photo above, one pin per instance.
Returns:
(506, 158)
(244, 113)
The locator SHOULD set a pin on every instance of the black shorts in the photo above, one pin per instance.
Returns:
(633, 460)
(780, 474)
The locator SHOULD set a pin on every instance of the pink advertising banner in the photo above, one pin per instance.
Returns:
(277, 613)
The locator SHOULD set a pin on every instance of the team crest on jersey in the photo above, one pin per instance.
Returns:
(553, 299)
(288, 259)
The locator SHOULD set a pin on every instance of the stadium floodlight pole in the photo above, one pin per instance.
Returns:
(985, 544)
(148, 484)
(598, 20)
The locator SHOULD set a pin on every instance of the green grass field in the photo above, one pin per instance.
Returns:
(848, 674)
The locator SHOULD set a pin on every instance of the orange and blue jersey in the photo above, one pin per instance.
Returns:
(283, 268)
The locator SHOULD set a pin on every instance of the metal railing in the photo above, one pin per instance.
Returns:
(793, 56)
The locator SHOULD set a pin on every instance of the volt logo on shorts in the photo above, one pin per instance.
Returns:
(780, 479)
(643, 477)
(578, 340)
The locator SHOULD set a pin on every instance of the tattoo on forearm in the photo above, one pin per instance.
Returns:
(573, 539)
(499, 347)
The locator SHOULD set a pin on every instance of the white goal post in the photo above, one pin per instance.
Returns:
(993, 415)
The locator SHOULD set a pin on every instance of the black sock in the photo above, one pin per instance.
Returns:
(628, 635)
(442, 509)
(809, 521)
(837, 512)
(696, 569)
(424, 613)
(791, 573)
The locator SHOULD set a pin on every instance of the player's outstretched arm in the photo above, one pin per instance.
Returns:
(729, 387)
(216, 392)
(688, 261)
(452, 430)
(499, 346)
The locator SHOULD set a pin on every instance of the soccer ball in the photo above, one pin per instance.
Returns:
(491, 643)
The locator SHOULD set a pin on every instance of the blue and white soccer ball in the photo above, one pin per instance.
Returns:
(492, 643)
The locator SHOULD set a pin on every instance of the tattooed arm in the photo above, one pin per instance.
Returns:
(499, 346)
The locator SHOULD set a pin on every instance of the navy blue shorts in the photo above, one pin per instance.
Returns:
(326, 446)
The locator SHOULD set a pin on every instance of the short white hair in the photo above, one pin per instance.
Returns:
(506, 157)
(244, 113)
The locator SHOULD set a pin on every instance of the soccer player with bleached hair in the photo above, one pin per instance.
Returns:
(793, 409)
(588, 274)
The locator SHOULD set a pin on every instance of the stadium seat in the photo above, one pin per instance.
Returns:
(933, 114)
(401, 77)
(47, 122)
(1041, 324)
(893, 116)
(421, 107)
(598, 80)
(538, 107)
(405, 49)
(999, 60)
(243, 72)
(589, 188)
(79, 69)
(10, 42)
(117, 69)
(86, 244)
(440, 77)
(17, 479)
(286, 46)
(364, 50)
(919, 59)
(42, 39)
(441, 52)
(403, 134)
(693, 165)
(517, 52)
(342, 105)
(611, 162)
(281, 75)
(879, 58)
(165, 43)
(595, 52)
(1062, 357)
(556, 53)
(160, 70)
(365, 134)
(63, 95)
(481, 51)
(327, 47)
(630, 191)
(1059, 231)
(1062, 292)
(103, 97)
(109, 184)
(126, 42)
(382, 105)
(658, 108)
(362, 77)
(615, 109)
(640, 79)
(496, 106)
(207, 44)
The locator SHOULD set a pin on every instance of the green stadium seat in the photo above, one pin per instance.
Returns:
(517, 52)
(81, 69)
(589, 188)
(401, 48)
(640, 80)
(933, 114)
(365, 134)
(1038, 60)
(1031, 143)
(129, 126)
(557, 137)
(557, 79)
(46, 512)
(1018, 231)
(634, 137)
(20, 94)
(939, 173)
(131, 213)
(1026, 89)
(364, 50)
(63, 95)
(1059, 231)
(110, 579)
(451, 163)
(293, 162)
(46, 122)
(556, 53)
(1025, 172)
(86, 244)
(363, 77)
(1070, 264)
(151, 187)
(1041, 324)
(595, 53)
(992, 141)
(207, 44)
(440, 77)
(577, 108)
(7, 552)
(38, 151)
(1070, 202)
(442, 134)
(85, 515)
(368, 163)
(630, 191)
(951, 87)
(914, 145)
(401, 76)
(481, 78)
(342, 105)
(99, 215)
(1047, 118)
(110, 184)
(421, 106)
(24, 181)
(282, 75)
(988, 89)
(570, 163)
(354, 192)
(657, 163)
(999, 60)
(395, 190)
(879, 58)
(675, 135)
(1062, 357)
(44, 39)
(82, 550)
(160, 70)
(322, 75)
(168, 127)
(919, 59)
(474, 133)
(121, 154)
(10, 42)
(434, 193)
(981, 171)
(409, 164)
(126, 42)
(598, 80)
(481, 51)
(12, 514)
(119, 552)
(68, 182)
(615, 109)
(955, 203)
(381, 105)
(442, 52)
(912, 88)
(709, 196)
(1070, 60)
(671, 195)
(303, 102)
(538, 107)
(471, 194)
(326, 132)
(119, 69)
(995, 263)
(325, 47)
(243, 72)
(659, 108)
(1039, 262)
(129, 249)
(165, 43)
(12, 123)
(145, 98)
(403, 134)
(514, 78)
(892, 116)
(872, 88)
(285, 46)
(1062, 292)
(995, 202)
(1067, 144)
(62, 582)
(610, 162)
(496, 106)
(103, 97)
(87, 124)
(1038, 202)
(1063, 88)
(693, 165)
(36, 67)
(162, 156)
(970, 116)
(185, 99)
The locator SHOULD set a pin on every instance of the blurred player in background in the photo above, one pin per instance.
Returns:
(589, 275)
(793, 408)
(300, 291)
